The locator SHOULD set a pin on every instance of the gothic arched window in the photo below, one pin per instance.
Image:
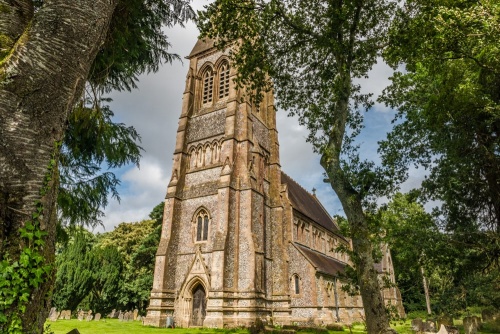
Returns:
(202, 221)
(224, 80)
(208, 86)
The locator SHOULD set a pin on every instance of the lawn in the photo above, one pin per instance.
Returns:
(115, 326)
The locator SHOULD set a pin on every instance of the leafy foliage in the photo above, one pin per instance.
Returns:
(18, 277)
(449, 115)
(92, 140)
(136, 43)
(112, 270)
(75, 270)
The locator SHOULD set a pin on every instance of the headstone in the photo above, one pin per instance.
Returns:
(470, 326)
(67, 315)
(112, 314)
(139, 318)
(89, 317)
(73, 331)
(120, 316)
(417, 325)
(477, 321)
(429, 326)
(136, 312)
(442, 330)
(63, 314)
(97, 317)
(81, 315)
(446, 320)
(489, 315)
(53, 315)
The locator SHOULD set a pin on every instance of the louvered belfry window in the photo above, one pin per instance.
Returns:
(208, 86)
(224, 80)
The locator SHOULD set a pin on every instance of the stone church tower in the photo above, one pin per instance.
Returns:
(240, 239)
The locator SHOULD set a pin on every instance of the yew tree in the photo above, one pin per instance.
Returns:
(311, 53)
(49, 51)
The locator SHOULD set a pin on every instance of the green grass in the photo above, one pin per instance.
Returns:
(114, 326)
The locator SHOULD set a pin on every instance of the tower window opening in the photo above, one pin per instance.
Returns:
(208, 86)
(297, 284)
(224, 81)
(202, 221)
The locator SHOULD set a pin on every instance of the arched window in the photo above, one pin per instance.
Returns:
(208, 86)
(202, 226)
(296, 281)
(224, 80)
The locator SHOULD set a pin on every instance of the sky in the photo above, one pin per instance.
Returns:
(154, 109)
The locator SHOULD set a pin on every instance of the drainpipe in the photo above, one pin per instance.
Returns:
(336, 298)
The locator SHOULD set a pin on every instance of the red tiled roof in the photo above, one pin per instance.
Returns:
(322, 263)
(307, 204)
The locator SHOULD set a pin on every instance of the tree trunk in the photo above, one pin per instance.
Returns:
(426, 291)
(377, 320)
(41, 77)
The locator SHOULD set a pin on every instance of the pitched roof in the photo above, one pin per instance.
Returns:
(201, 45)
(322, 263)
(307, 204)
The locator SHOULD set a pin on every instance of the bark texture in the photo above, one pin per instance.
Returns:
(41, 77)
(377, 320)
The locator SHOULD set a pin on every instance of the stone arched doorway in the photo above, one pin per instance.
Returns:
(199, 306)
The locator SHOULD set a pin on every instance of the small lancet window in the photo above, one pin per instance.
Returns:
(224, 80)
(202, 226)
(208, 86)
(297, 284)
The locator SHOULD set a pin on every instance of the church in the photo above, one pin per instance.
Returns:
(240, 239)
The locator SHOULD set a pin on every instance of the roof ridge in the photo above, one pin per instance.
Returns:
(298, 184)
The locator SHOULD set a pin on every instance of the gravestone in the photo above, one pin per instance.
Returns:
(470, 326)
(429, 326)
(120, 316)
(139, 318)
(113, 314)
(67, 315)
(53, 314)
(136, 312)
(97, 317)
(446, 320)
(89, 317)
(442, 330)
(81, 315)
(417, 325)
(73, 331)
(489, 315)
(477, 320)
